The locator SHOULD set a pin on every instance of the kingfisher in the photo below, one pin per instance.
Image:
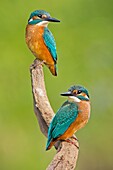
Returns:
(72, 116)
(40, 40)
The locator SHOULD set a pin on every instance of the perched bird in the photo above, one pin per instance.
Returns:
(40, 40)
(72, 116)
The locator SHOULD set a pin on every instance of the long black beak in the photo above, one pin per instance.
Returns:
(66, 94)
(52, 19)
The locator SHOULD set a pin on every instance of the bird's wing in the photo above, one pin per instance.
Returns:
(65, 116)
(50, 43)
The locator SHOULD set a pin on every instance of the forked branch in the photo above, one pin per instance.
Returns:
(67, 154)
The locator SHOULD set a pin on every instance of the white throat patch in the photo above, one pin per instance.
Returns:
(74, 99)
(43, 23)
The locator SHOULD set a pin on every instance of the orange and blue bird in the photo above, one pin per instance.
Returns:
(72, 116)
(40, 40)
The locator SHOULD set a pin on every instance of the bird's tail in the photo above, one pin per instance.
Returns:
(53, 69)
(49, 144)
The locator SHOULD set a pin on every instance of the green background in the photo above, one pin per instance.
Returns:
(85, 56)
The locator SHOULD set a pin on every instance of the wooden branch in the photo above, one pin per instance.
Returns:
(67, 154)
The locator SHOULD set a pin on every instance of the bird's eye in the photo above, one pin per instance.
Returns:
(39, 15)
(44, 16)
(74, 92)
(79, 91)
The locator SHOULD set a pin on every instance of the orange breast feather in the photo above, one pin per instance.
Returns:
(35, 42)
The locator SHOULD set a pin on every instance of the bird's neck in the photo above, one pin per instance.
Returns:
(77, 100)
(35, 27)
(34, 31)
(73, 99)
(43, 23)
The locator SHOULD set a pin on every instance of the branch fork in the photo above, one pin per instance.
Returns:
(67, 153)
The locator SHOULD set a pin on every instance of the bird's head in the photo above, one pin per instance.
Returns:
(77, 93)
(41, 17)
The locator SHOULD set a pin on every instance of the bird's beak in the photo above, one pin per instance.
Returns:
(52, 19)
(66, 94)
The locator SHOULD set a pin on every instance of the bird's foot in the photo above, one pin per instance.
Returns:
(69, 141)
(59, 148)
(33, 65)
(36, 63)
(73, 137)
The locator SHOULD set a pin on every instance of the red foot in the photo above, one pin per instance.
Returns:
(74, 138)
(69, 141)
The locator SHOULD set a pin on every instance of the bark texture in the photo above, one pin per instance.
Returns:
(67, 153)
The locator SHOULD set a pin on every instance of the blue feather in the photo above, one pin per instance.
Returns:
(65, 116)
(50, 43)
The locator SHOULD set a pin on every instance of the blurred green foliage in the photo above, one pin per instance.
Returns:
(85, 56)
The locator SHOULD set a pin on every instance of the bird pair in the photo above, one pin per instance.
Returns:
(75, 112)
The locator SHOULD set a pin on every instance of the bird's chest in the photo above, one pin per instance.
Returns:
(34, 39)
(82, 118)
(83, 114)
(80, 121)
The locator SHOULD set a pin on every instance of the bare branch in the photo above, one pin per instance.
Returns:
(67, 154)
(66, 158)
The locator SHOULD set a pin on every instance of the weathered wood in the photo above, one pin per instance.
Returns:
(67, 154)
